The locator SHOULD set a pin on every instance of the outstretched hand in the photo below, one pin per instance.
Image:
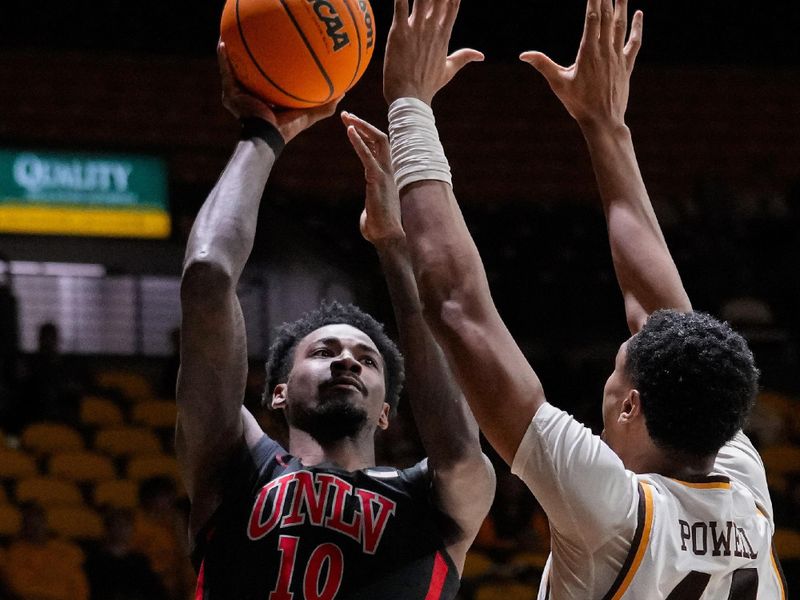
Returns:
(595, 88)
(380, 220)
(416, 64)
(243, 104)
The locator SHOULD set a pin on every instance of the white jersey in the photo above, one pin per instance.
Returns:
(618, 535)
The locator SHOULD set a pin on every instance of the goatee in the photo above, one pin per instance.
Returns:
(330, 421)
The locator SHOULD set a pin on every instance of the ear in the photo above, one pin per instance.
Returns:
(383, 418)
(631, 407)
(279, 397)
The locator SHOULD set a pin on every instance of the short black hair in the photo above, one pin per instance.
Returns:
(281, 353)
(697, 380)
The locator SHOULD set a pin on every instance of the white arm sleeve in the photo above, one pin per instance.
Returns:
(580, 482)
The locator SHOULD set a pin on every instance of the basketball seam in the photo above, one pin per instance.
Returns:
(310, 50)
(258, 66)
(358, 37)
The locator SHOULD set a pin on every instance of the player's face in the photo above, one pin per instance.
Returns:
(617, 388)
(336, 387)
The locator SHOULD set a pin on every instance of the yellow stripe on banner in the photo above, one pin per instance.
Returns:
(717, 485)
(102, 222)
(648, 526)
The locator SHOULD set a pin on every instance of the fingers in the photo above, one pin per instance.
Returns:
(366, 130)
(606, 24)
(422, 9)
(225, 69)
(620, 27)
(635, 39)
(359, 145)
(542, 63)
(591, 27)
(450, 8)
(324, 111)
(400, 13)
(461, 58)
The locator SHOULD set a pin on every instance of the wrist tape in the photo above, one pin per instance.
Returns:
(417, 153)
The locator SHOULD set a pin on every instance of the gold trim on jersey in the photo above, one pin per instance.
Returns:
(708, 485)
(639, 545)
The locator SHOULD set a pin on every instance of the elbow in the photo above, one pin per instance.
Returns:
(205, 279)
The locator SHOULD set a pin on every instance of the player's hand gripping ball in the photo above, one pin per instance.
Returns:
(298, 53)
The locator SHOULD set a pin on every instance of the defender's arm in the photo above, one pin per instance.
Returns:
(595, 92)
(463, 478)
(502, 390)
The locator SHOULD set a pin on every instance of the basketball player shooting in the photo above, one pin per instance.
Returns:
(321, 521)
(671, 501)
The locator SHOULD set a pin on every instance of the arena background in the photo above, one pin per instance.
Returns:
(715, 119)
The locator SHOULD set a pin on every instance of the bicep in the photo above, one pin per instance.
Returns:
(500, 386)
(464, 493)
(579, 481)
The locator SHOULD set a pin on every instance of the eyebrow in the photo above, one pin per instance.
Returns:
(334, 341)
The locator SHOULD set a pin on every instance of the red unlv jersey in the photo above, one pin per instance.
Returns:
(289, 532)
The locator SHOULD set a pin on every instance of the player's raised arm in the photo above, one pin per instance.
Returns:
(502, 390)
(211, 420)
(595, 92)
(463, 478)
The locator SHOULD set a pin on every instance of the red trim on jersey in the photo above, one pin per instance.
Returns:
(438, 577)
(199, 590)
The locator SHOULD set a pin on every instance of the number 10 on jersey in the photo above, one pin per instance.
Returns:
(324, 555)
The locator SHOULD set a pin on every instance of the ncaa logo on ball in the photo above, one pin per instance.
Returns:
(328, 16)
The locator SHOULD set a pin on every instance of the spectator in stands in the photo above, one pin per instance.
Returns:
(158, 533)
(115, 570)
(37, 567)
(52, 386)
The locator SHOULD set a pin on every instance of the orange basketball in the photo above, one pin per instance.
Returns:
(298, 53)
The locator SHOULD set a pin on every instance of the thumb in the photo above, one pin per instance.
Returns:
(542, 63)
(461, 58)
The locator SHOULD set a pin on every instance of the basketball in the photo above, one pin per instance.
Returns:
(298, 53)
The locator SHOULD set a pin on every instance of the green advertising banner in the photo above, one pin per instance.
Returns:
(83, 194)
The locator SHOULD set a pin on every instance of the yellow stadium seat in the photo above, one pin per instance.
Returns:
(82, 466)
(143, 467)
(75, 522)
(117, 493)
(47, 438)
(477, 564)
(534, 560)
(133, 385)
(48, 491)
(155, 413)
(100, 412)
(15, 464)
(506, 591)
(10, 520)
(779, 460)
(787, 543)
(127, 441)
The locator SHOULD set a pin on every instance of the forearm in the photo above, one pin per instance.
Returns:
(458, 307)
(448, 430)
(645, 270)
(225, 227)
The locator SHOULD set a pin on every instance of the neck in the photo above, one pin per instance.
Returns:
(669, 463)
(348, 453)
